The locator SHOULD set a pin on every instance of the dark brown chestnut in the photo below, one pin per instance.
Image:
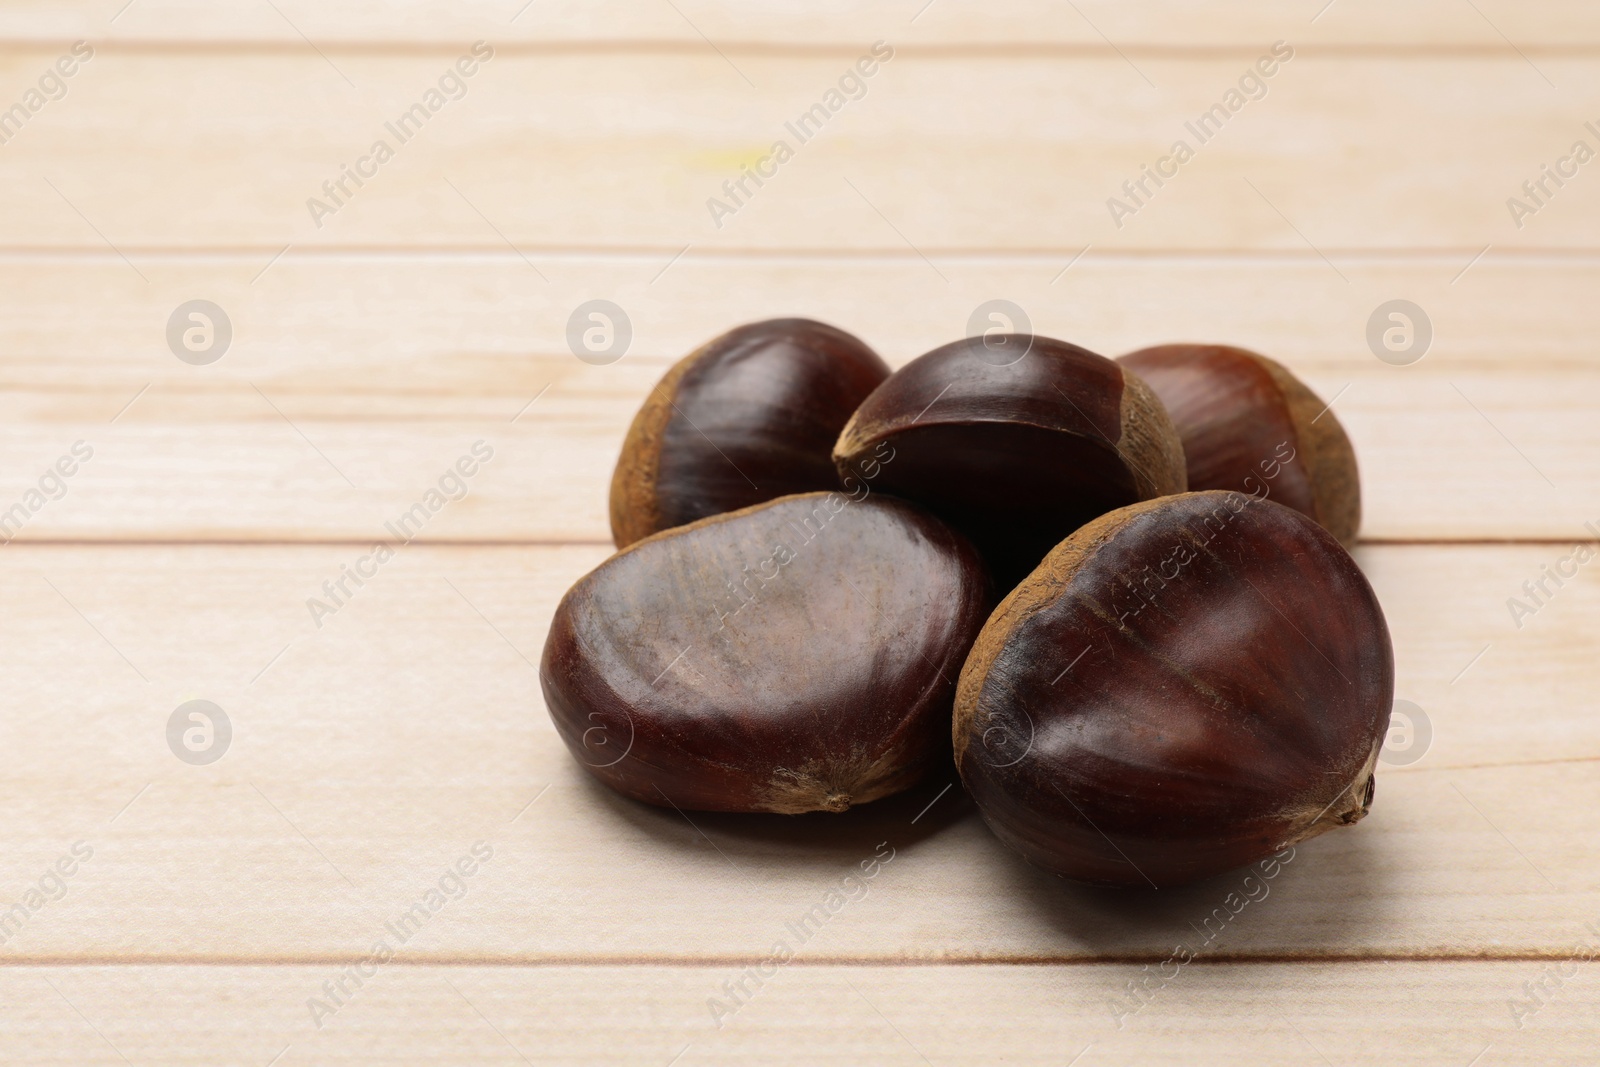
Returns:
(1248, 422)
(798, 655)
(750, 416)
(1183, 686)
(1016, 441)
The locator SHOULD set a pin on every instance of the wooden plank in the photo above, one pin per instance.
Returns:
(176, 912)
(628, 151)
(1467, 456)
(370, 753)
(1168, 23)
(1415, 1015)
(377, 323)
(353, 382)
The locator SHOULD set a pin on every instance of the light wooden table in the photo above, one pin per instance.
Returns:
(212, 907)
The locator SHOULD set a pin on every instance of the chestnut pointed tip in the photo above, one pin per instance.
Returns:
(1179, 685)
(1350, 806)
(837, 784)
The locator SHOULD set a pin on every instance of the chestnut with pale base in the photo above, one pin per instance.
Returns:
(799, 655)
(1248, 422)
(1016, 455)
(749, 416)
(1182, 687)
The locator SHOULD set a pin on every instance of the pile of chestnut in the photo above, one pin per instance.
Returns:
(1118, 588)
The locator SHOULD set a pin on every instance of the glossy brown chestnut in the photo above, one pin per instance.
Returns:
(1183, 686)
(1016, 452)
(1247, 422)
(798, 655)
(750, 416)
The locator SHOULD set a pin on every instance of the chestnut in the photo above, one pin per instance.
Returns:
(798, 655)
(1247, 422)
(1183, 686)
(1015, 452)
(749, 416)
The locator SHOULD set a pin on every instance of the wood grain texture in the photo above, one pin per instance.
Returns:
(371, 753)
(430, 312)
(1468, 456)
(353, 382)
(191, 149)
(1416, 1015)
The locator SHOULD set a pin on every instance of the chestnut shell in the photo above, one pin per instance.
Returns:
(749, 416)
(1240, 414)
(1019, 454)
(1183, 686)
(798, 655)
